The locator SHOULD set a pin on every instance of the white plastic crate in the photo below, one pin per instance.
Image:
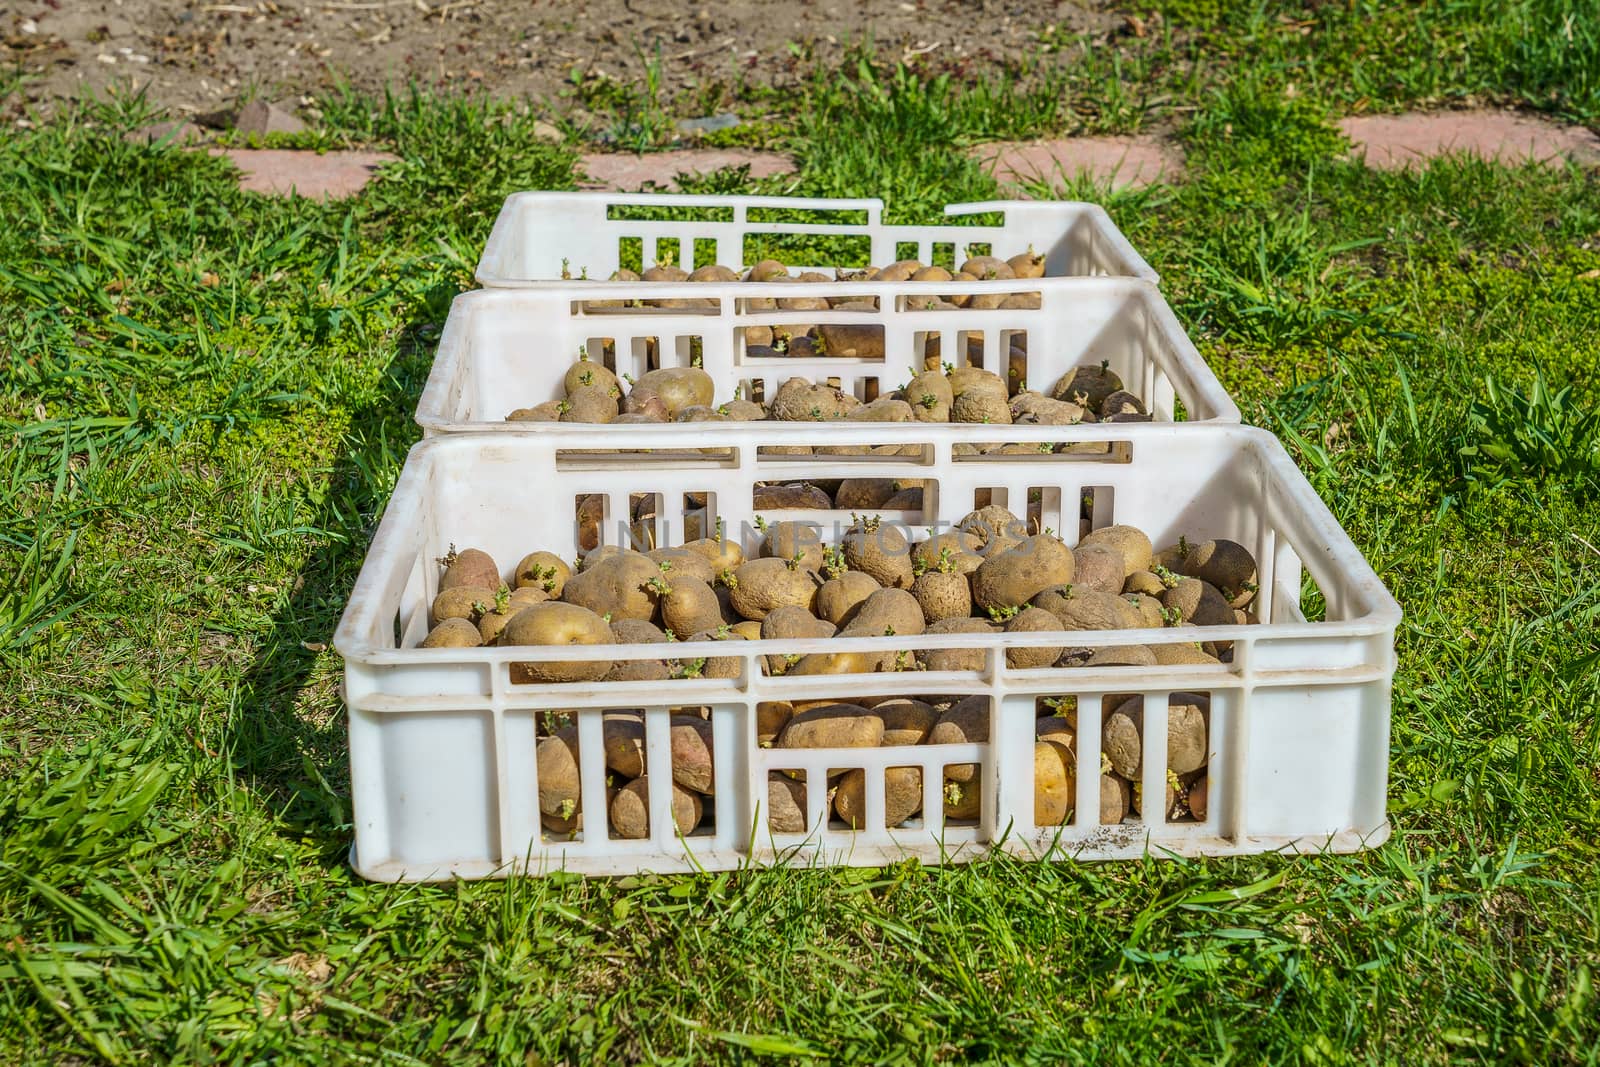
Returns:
(442, 740)
(543, 237)
(507, 349)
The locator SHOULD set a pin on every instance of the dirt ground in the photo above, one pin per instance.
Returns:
(200, 56)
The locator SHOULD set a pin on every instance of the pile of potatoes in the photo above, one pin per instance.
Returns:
(938, 392)
(1088, 393)
(987, 575)
(628, 781)
(874, 723)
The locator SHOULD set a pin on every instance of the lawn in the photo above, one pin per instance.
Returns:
(207, 396)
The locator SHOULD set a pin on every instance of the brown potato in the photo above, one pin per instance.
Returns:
(883, 409)
(556, 766)
(1029, 264)
(885, 612)
(678, 562)
(801, 496)
(996, 529)
(1088, 385)
(881, 550)
(956, 659)
(840, 598)
(901, 270)
(929, 396)
(965, 722)
(987, 268)
(679, 388)
(1198, 603)
(833, 726)
(1129, 541)
(962, 546)
(905, 721)
(767, 270)
(1198, 797)
(556, 623)
(630, 809)
(1087, 609)
(771, 717)
(625, 585)
(1183, 652)
(1186, 733)
(865, 494)
(1120, 739)
(462, 602)
(943, 595)
(725, 555)
(963, 800)
(902, 796)
(692, 754)
(469, 567)
(591, 403)
(1122, 656)
(1115, 796)
(713, 272)
(1098, 567)
(623, 737)
(1034, 409)
(1144, 583)
(453, 633)
(1014, 577)
(761, 585)
(542, 570)
(837, 663)
(786, 540)
(1032, 620)
(1225, 564)
(549, 411)
(1055, 785)
(689, 606)
(801, 400)
(1149, 609)
(786, 804)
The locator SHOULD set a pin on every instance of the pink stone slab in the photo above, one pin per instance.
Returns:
(1121, 161)
(625, 172)
(1391, 142)
(316, 175)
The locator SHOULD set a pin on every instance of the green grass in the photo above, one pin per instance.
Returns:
(207, 397)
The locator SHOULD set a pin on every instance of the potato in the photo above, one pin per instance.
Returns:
(962, 546)
(1198, 797)
(905, 721)
(555, 623)
(767, 270)
(645, 401)
(883, 409)
(987, 268)
(1035, 409)
(556, 765)
(761, 585)
(462, 602)
(1088, 385)
(711, 666)
(975, 381)
(625, 585)
(1120, 738)
(585, 373)
(1121, 656)
(963, 800)
(1087, 609)
(1185, 652)
(833, 726)
(1130, 541)
(791, 622)
(623, 738)
(630, 809)
(1032, 620)
(1055, 785)
(664, 272)
(713, 272)
(786, 540)
(881, 550)
(549, 411)
(1198, 603)
(679, 387)
(1098, 567)
(902, 796)
(1121, 402)
(1060, 729)
(1149, 609)
(839, 598)
(453, 633)
(942, 595)
(797, 497)
(1226, 565)
(692, 754)
(636, 632)
(899, 271)
(678, 562)
(545, 570)
(748, 629)
(865, 494)
(725, 555)
(956, 659)
(851, 340)
(929, 397)
(591, 403)
(786, 804)
(689, 606)
(1144, 583)
(980, 408)
(468, 567)
(837, 663)
(1015, 576)
(1115, 796)
(1029, 264)
(995, 527)
(771, 717)
(885, 611)
(965, 722)
(1187, 750)
(800, 400)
